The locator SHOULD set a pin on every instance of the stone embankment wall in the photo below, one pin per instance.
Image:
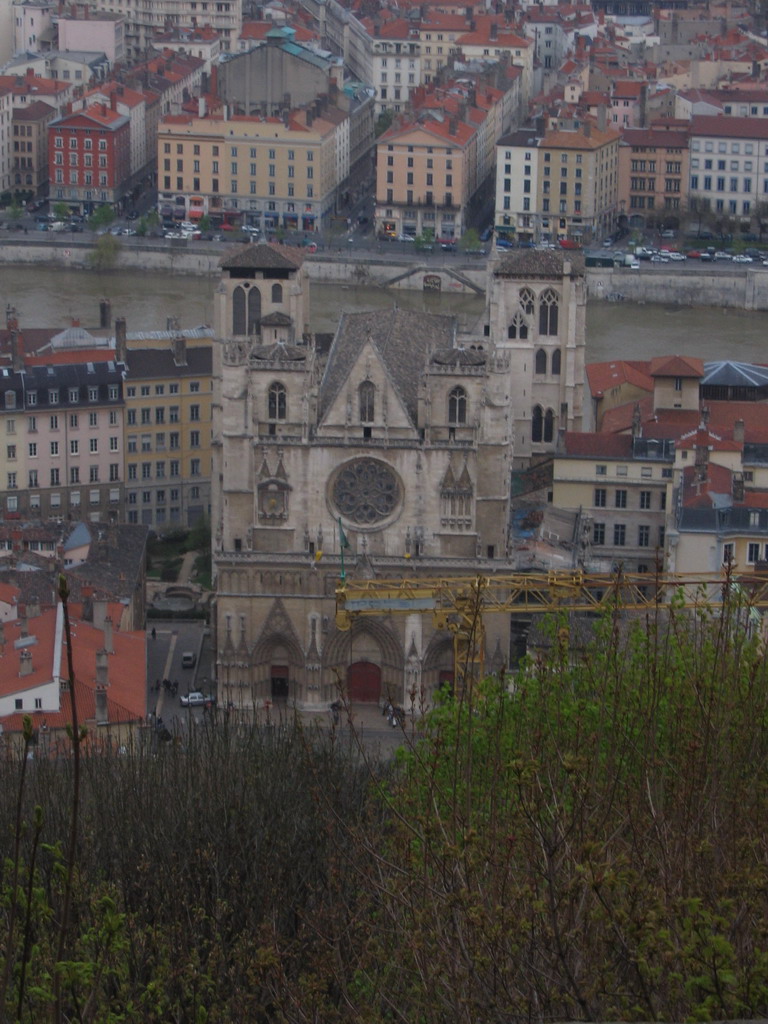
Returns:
(743, 287)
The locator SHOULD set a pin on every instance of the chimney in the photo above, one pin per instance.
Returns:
(738, 431)
(102, 717)
(17, 359)
(601, 117)
(102, 668)
(33, 608)
(23, 628)
(587, 130)
(737, 487)
(105, 313)
(99, 612)
(201, 107)
(113, 101)
(25, 663)
(180, 350)
(109, 645)
(453, 126)
(120, 340)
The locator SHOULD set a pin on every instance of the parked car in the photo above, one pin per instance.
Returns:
(504, 243)
(406, 238)
(677, 257)
(486, 234)
(741, 258)
(720, 255)
(448, 246)
(196, 699)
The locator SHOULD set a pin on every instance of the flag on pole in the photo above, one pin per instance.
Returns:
(343, 542)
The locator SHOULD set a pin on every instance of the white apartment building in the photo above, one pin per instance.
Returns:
(729, 163)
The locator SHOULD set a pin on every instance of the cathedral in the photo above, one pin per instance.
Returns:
(386, 454)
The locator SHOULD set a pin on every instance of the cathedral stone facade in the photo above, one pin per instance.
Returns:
(392, 450)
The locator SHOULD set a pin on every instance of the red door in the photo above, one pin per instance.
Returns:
(364, 682)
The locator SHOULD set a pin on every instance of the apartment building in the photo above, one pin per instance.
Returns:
(89, 157)
(559, 185)
(728, 168)
(133, 105)
(395, 61)
(61, 423)
(279, 172)
(425, 174)
(7, 160)
(438, 32)
(618, 487)
(168, 396)
(653, 174)
(30, 149)
(490, 38)
(144, 21)
(94, 30)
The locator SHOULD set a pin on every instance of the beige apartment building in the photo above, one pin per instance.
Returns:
(30, 147)
(425, 173)
(278, 172)
(557, 186)
(653, 174)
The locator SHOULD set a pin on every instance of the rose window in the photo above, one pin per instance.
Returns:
(366, 492)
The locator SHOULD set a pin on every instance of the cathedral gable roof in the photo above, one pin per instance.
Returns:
(403, 340)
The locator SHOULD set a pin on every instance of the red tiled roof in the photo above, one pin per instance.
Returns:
(618, 446)
(604, 376)
(698, 493)
(676, 366)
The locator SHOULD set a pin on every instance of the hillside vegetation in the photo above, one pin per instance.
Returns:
(587, 844)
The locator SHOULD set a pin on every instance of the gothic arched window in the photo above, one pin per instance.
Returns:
(548, 307)
(518, 328)
(457, 406)
(537, 423)
(254, 311)
(527, 300)
(277, 402)
(238, 311)
(277, 293)
(556, 357)
(549, 425)
(541, 361)
(366, 394)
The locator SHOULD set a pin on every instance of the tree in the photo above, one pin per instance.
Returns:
(469, 240)
(15, 212)
(700, 208)
(205, 223)
(383, 121)
(61, 211)
(102, 217)
(105, 253)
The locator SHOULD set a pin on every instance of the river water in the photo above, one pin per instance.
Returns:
(45, 297)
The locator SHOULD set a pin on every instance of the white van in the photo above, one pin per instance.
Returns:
(188, 659)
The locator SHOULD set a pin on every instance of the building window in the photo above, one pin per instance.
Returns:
(548, 309)
(277, 402)
(619, 535)
(621, 499)
(540, 364)
(600, 497)
(598, 533)
(645, 499)
(367, 401)
(457, 406)
(518, 328)
(643, 536)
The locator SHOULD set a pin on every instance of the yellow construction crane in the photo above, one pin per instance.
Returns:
(458, 604)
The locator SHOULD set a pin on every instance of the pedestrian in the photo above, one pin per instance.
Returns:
(335, 712)
(154, 633)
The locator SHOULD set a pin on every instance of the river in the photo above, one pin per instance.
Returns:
(44, 297)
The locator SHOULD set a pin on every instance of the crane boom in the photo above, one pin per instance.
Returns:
(459, 603)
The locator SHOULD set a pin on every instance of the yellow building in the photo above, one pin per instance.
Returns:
(168, 396)
(617, 486)
(279, 172)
